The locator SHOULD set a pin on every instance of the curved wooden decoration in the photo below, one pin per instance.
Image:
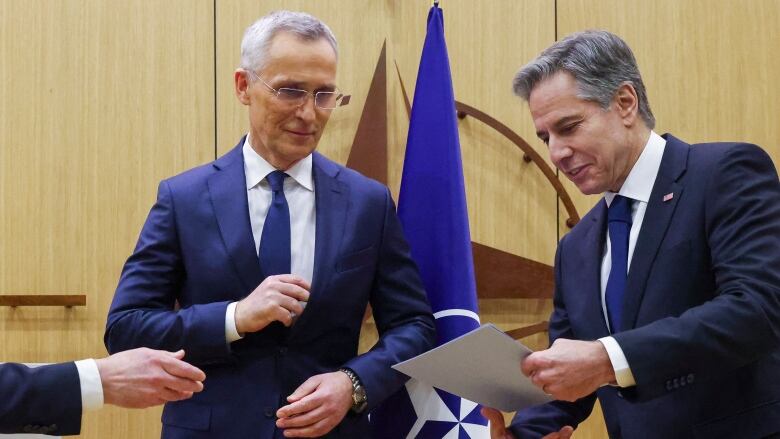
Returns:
(66, 300)
(515, 282)
(529, 154)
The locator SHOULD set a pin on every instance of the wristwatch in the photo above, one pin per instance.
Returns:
(359, 399)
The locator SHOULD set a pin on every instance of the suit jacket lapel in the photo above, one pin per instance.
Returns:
(228, 193)
(331, 203)
(658, 215)
(590, 256)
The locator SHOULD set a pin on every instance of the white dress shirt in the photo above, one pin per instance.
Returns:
(91, 385)
(638, 187)
(299, 192)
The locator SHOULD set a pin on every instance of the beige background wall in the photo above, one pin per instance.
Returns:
(101, 99)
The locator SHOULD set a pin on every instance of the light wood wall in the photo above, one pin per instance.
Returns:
(100, 99)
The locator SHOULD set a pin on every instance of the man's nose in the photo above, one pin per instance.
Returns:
(559, 150)
(307, 110)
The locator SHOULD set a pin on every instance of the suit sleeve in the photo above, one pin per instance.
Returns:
(741, 323)
(143, 312)
(45, 399)
(540, 420)
(401, 311)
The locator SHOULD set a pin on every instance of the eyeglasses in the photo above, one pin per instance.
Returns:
(326, 100)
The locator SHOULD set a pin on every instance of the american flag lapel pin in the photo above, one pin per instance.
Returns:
(668, 196)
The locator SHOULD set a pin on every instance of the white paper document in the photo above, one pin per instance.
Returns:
(482, 366)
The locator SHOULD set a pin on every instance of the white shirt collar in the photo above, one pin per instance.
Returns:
(256, 168)
(639, 183)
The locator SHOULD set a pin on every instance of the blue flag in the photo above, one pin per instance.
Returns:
(432, 211)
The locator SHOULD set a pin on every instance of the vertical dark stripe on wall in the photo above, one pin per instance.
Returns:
(214, 3)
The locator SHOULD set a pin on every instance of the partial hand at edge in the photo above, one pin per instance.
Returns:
(143, 377)
(499, 431)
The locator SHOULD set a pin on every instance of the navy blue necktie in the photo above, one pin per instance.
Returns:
(619, 224)
(275, 241)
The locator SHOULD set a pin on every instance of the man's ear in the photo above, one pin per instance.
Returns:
(626, 103)
(242, 85)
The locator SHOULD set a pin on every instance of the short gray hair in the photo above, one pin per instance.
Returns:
(598, 60)
(258, 36)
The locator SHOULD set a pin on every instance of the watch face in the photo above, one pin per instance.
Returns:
(359, 395)
(359, 399)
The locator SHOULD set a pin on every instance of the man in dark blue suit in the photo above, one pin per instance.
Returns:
(50, 399)
(261, 264)
(667, 293)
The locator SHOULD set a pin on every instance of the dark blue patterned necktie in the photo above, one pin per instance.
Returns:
(275, 240)
(619, 217)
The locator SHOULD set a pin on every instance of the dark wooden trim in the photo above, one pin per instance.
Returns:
(528, 330)
(502, 275)
(368, 154)
(67, 300)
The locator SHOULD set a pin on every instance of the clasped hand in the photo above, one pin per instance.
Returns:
(278, 298)
(316, 406)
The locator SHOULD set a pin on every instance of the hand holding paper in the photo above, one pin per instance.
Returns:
(569, 369)
(482, 366)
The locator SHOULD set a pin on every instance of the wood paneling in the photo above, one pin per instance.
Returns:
(710, 68)
(99, 100)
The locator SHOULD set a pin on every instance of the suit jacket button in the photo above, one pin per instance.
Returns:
(619, 394)
(283, 350)
(269, 413)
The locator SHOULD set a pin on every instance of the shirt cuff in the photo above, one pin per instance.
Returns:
(91, 385)
(231, 333)
(623, 374)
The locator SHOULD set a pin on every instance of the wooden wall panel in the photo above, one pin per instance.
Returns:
(710, 68)
(99, 100)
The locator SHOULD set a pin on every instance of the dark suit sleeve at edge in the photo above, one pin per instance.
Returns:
(537, 421)
(742, 322)
(401, 311)
(40, 398)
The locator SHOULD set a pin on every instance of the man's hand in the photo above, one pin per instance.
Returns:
(499, 431)
(570, 369)
(317, 406)
(277, 298)
(143, 377)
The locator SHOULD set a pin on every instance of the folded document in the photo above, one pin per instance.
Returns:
(482, 366)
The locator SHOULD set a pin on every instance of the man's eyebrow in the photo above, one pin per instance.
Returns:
(566, 120)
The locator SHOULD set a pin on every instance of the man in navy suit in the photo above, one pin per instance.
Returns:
(261, 264)
(667, 293)
(50, 399)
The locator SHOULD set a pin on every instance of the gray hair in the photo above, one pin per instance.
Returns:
(598, 60)
(258, 36)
